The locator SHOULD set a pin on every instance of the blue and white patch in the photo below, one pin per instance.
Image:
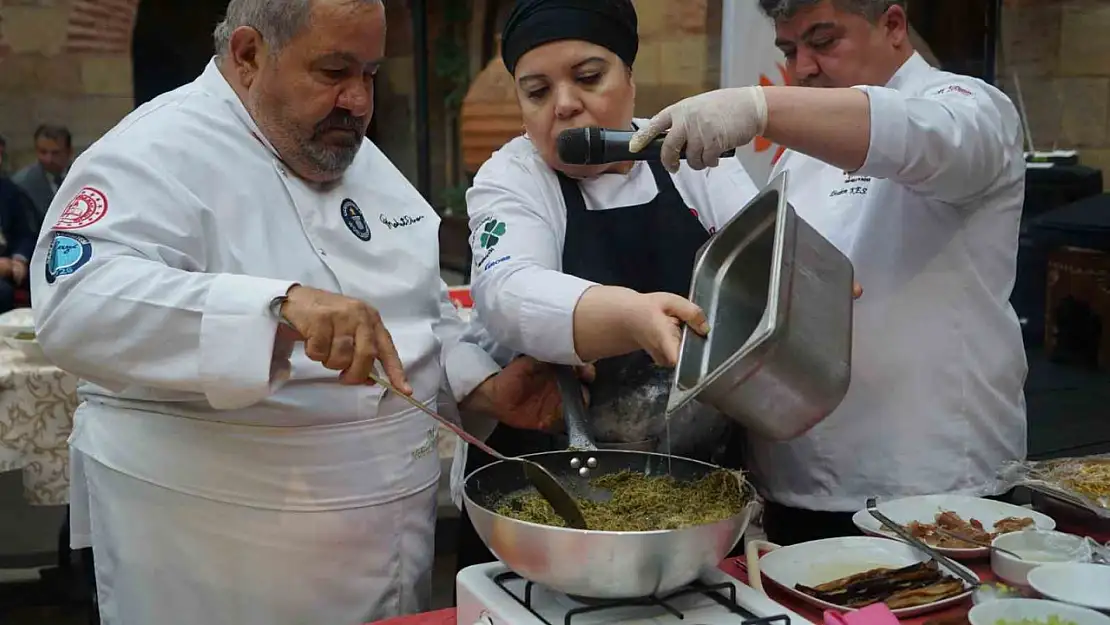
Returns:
(355, 220)
(68, 253)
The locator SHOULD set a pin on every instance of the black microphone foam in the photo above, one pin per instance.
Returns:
(598, 146)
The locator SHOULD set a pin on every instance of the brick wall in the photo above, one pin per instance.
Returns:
(1060, 52)
(679, 50)
(67, 62)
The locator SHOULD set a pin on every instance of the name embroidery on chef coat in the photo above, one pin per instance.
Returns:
(68, 253)
(852, 185)
(399, 222)
(355, 220)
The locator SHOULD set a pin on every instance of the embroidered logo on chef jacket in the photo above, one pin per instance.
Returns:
(399, 222)
(68, 253)
(490, 233)
(429, 445)
(89, 206)
(353, 217)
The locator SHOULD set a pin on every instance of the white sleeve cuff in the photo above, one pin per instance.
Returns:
(547, 316)
(239, 360)
(886, 155)
(466, 367)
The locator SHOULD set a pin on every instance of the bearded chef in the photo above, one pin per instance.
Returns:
(918, 176)
(224, 269)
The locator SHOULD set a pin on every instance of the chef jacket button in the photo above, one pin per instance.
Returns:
(322, 252)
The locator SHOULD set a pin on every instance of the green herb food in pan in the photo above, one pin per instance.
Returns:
(640, 503)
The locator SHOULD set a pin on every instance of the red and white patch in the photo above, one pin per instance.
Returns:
(88, 207)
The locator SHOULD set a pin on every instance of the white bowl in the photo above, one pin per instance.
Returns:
(1035, 548)
(1014, 610)
(1077, 583)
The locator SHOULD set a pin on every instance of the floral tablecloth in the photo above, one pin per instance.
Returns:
(37, 401)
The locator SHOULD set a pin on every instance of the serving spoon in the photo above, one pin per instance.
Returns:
(564, 505)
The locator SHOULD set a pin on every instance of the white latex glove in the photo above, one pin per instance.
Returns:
(706, 125)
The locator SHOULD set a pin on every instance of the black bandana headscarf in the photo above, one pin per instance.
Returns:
(610, 24)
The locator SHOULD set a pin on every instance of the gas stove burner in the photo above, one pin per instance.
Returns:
(591, 605)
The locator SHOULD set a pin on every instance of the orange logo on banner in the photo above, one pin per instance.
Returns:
(761, 144)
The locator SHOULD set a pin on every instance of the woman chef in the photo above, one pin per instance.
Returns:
(578, 264)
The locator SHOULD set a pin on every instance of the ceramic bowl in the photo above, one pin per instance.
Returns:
(1036, 548)
(1077, 583)
(1007, 611)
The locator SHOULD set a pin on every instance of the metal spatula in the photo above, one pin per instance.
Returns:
(548, 486)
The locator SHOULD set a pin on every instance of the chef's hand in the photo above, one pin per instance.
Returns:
(19, 271)
(656, 319)
(706, 125)
(343, 334)
(5, 267)
(524, 395)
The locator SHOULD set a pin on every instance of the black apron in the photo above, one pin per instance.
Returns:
(648, 248)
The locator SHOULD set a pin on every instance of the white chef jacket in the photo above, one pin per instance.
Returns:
(520, 293)
(174, 233)
(930, 222)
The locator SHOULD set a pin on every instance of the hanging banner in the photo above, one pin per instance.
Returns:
(749, 57)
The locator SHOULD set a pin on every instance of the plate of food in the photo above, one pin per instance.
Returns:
(851, 573)
(941, 521)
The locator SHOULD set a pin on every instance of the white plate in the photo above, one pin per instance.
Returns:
(821, 561)
(1081, 584)
(924, 509)
(1016, 610)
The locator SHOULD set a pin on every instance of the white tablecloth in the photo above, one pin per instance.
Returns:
(37, 402)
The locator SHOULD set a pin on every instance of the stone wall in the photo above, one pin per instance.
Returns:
(63, 61)
(1060, 52)
(679, 51)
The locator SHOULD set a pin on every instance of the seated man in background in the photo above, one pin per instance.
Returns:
(40, 180)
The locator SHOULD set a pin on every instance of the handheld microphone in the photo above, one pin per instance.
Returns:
(597, 146)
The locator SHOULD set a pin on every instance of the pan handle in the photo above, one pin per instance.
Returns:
(574, 409)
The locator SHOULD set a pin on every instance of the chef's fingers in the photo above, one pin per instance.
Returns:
(586, 373)
(318, 339)
(669, 336)
(387, 355)
(688, 313)
(673, 144)
(658, 124)
(362, 362)
(342, 352)
(857, 290)
(695, 145)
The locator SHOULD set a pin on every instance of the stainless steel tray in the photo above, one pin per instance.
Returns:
(778, 297)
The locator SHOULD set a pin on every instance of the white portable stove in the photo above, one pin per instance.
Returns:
(490, 594)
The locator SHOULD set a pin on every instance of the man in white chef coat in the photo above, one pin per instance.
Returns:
(223, 269)
(918, 176)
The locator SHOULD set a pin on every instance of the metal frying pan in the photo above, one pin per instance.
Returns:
(591, 563)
